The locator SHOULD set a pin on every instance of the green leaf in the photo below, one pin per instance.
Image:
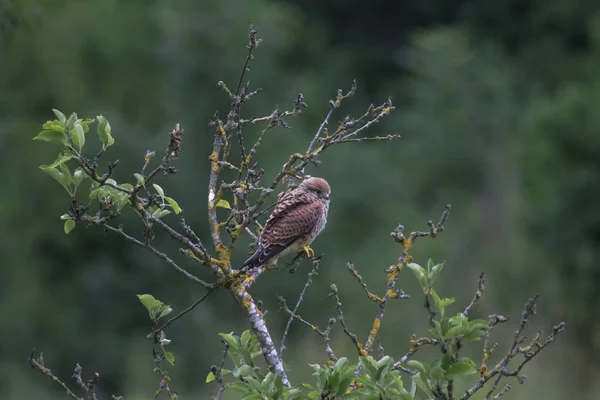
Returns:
(78, 176)
(54, 125)
(243, 370)
(60, 177)
(173, 204)
(435, 272)
(211, 377)
(419, 273)
(441, 304)
(459, 325)
(267, 383)
(421, 383)
(155, 307)
(341, 363)
(149, 301)
(170, 357)
(78, 136)
(162, 213)
(223, 204)
(104, 131)
(159, 190)
(429, 265)
(464, 367)
(85, 123)
(434, 333)
(414, 364)
(70, 121)
(165, 311)
(477, 324)
(61, 159)
(437, 373)
(140, 179)
(369, 366)
(233, 341)
(69, 226)
(245, 338)
(51, 136)
(61, 117)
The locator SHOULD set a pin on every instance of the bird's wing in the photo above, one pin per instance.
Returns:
(294, 217)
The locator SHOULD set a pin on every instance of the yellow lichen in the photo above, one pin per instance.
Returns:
(407, 245)
(224, 261)
(372, 336)
(374, 297)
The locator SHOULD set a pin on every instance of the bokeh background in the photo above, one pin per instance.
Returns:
(498, 103)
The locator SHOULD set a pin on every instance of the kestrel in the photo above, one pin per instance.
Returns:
(299, 216)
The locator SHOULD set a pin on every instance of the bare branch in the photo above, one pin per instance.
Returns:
(338, 307)
(500, 369)
(217, 371)
(213, 196)
(415, 345)
(315, 269)
(37, 362)
(394, 270)
(478, 294)
(258, 325)
(149, 247)
(210, 290)
(332, 106)
(325, 335)
(370, 295)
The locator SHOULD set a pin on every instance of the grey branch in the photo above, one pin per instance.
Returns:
(315, 269)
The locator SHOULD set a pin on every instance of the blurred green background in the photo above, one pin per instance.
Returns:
(498, 103)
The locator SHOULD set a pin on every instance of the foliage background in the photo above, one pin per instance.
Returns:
(498, 106)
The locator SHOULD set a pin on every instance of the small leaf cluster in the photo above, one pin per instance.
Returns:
(111, 196)
(378, 379)
(252, 383)
(450, 332)
(160, 210)
(156, 310)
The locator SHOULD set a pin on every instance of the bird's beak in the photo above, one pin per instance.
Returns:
(326, 196)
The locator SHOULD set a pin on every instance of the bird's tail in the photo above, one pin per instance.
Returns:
(254, 261)
(263, 255)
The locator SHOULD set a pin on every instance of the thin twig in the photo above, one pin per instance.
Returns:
(38, 363)
(369, 294)
(500, 369)
(217, 371)
(394, 271)
(478, 294)
(338, 307)
(332, 106)
(415, 345)
(315, 269)
(325, 335)
(210, 290)
(149, 247)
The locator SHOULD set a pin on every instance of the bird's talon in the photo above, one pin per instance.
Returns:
(308, 251)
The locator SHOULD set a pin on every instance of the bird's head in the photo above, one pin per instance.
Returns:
(318, 186)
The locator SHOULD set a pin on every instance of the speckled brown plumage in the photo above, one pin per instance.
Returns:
(299, 216)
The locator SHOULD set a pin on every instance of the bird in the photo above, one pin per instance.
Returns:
(298, 218)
